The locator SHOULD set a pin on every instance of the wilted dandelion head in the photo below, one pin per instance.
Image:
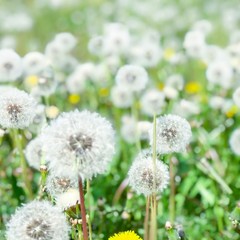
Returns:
(141, 175)
(68, 199)
(33, 152)
(17, 109)
(235, 141)
(134, 78)
(37, 221)
(173, 134)
(10, 65)
(79, 143)
(128, 235)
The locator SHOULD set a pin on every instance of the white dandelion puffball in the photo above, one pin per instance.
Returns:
(173, 134)
(194, 43)
(143, 128)
(129, 130)
(152, 102)
(17, 109)
(66, 41)
(33, 153)
(132, 77)
(146, 54)
(68, 199)
(10, 65)
(95, 45)
(220, 73)
(141, 175)
(121, 97)
(38, 220)
(34, 62)
(236, 97)
(79, 143)
(59, 184)
(235, 141)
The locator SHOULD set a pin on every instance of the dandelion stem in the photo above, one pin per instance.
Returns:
(83, 210)
(146, 220)
(27, 185)
(153, 231)
(172, 191)
(89, 209)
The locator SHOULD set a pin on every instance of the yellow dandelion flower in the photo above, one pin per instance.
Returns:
(232, 111)
(128, 235)
(160, 86)
(74, 98)
(52, 112)
(193, 87)
(31, 81)
(103, 92)
(169, 53)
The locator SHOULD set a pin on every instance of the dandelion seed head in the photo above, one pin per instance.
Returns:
(10, 65)
(236, 97)
(17, 109)
(59, 184)
(121, 97)
(34, 62)
(132, 77)
(173, 134)
(141, 175)
(235, 141)
(37, 221)
(33, 153)
(152, 102)
(79, 143)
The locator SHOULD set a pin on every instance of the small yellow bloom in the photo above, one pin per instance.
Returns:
(232, 111)
(103, 92)
(160, 86)
(128, 235)
(193, 87)
(169, 53)
(74, 98)
(31, 81)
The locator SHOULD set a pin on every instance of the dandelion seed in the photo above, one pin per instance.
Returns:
(37, 221)
(141, 175)
(17, 109)
(173, 134)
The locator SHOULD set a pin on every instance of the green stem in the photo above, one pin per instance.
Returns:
(153, 232)
(146, 220)
(25, 177)
(172, 192)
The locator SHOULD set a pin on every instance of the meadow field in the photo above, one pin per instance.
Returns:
(119, 120)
